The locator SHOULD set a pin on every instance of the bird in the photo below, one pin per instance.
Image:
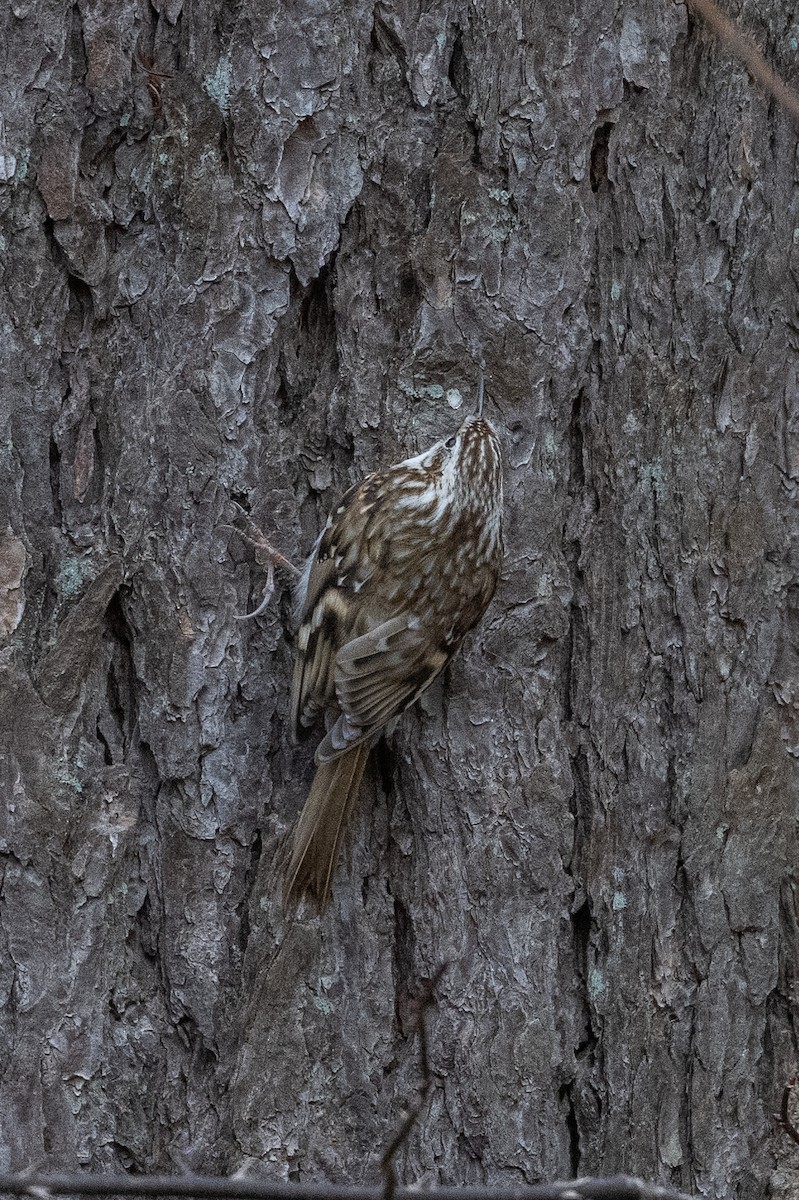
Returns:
(405, 566)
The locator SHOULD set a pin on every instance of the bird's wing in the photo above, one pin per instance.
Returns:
(377, 676)
(318, 639)
(327, 602)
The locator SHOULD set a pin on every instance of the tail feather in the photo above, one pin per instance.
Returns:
(321, 825)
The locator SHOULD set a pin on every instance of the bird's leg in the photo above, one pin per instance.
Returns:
(265, 552)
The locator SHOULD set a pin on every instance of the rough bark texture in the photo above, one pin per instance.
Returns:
(256, 279)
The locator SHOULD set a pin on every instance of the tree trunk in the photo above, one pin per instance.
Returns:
(251, 252)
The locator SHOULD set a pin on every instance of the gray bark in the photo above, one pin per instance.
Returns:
(264, 276)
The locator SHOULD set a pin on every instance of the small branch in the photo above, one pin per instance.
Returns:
(426, 1000)
(783, 1117)
(273, 558)
(257, 539)
(207, 1187)
(150, 70)
(155, 82)
(744, 48)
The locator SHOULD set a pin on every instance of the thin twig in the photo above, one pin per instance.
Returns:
(152, 71)
(259, 541)
(744, 48)
(426, 1000)
(273, 558)
(208, 1187)
(783, 1117)
(155, 82)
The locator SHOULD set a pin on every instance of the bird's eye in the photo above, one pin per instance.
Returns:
(449, 444)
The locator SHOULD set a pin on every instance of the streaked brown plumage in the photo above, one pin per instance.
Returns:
(405, 566)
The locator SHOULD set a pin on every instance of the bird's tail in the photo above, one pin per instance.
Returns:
(321, 824)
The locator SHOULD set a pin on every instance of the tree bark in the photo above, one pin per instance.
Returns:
(251, 252)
